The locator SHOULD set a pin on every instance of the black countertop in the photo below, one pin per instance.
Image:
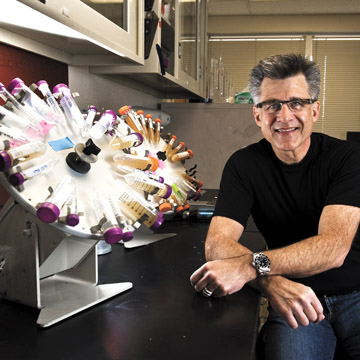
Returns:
(161, 317)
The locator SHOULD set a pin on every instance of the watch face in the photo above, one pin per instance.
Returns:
(262, 261)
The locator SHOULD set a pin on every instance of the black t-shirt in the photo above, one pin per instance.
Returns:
(286, 201)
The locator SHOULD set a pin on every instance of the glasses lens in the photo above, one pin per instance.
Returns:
(273, 107)
(296, 105)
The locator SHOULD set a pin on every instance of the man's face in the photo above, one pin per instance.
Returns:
(287, 131)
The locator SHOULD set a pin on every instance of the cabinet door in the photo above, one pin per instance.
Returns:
(113, 24)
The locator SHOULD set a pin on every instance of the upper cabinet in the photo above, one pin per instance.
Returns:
(158, 45)
(174, 49)
(88, 31)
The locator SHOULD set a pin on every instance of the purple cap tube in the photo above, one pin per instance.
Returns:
(48, 212)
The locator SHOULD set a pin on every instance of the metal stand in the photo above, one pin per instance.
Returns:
(46, 268)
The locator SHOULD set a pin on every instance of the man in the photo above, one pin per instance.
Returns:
(303, 191)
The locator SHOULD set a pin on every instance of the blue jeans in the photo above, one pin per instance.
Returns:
(316, 342)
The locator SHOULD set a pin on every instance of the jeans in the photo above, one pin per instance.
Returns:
(316, 342)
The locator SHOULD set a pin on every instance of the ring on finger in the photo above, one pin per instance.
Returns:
(206, 292)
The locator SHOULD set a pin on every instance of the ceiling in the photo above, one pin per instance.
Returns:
(282, 7)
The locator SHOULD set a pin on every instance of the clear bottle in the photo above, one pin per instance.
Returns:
(148, 185)
(131, 118)
(184, 155)
(107, 118)
(157, 130)
(43, 86)
(138, 162)
(110, 228)
(137, 207)
(141, 116)
(13, 120)
(89, 120)
(170, 145)
(150, 128)
(127, 141)
(49, 210)
(71, 110)
(18, 88)
(18, 178)
(21, 153)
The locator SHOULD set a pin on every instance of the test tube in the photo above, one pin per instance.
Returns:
(141, 116)
(144, 183)
(120, 218)
(71, 216)
(18, 178)
(131, 118)
(137, 207)
(157, 130)
(21, 153)
(112, 233)
(27, 127)
(198, 183)
(71, 110)
(150, 128)
(188, 154)
(138, 162)
(17, 87)
(176, 149)
(43, 86)
(151, 175)
(169, 146)
(49, 210)
(106, 120)
(125, 142)
(89, 120)
(15, 136)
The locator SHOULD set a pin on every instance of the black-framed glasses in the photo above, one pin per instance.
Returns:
(294, 105)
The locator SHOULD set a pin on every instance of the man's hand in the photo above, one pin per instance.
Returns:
(294, 302)
(224, 277)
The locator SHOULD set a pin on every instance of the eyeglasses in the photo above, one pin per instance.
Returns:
(294, 105)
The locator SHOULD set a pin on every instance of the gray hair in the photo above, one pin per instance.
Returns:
(282, 67)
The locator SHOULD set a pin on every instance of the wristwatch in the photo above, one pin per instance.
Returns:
(261, 263)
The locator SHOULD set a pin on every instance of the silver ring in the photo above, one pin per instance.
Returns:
(206, 292)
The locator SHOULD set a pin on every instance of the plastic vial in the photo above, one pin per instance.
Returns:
(22, 123)
(89, 120)
(15, 137)
(43, 86)
(120, 218)
(20, 177)
(106, 120)
(128, 169)
(49, 210)
(125, 142)
(141, 116)
(188, 154)
(18, 88)
(152, 187)
(198, 183)
(157, 130)
(21, 153)
(137, 207)
(170, 145)
(72, 215)
(176, 149)
(71, 110)
(131, 118)
(112, 233)
(150, 128)
(138, 162)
